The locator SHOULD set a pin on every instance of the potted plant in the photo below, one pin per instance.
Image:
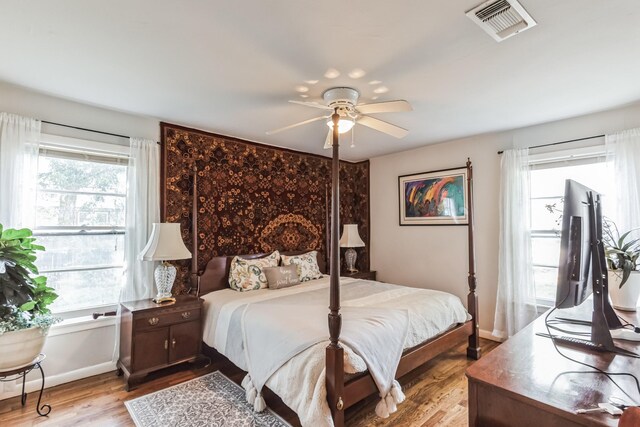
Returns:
(622, 252)
(24, 297)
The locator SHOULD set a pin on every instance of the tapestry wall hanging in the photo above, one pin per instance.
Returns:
(255, 198)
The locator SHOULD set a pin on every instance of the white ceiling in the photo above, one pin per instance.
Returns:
(230, 66)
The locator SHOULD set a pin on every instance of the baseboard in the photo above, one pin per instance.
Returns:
(487, 335)
(12, 389)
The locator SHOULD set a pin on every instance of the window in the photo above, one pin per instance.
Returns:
(548, 174)
(80, 220)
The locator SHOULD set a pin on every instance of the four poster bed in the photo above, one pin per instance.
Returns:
(342, 390)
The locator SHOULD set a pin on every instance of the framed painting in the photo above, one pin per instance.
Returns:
(434, 198)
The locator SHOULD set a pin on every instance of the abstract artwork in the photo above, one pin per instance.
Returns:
(434, 198)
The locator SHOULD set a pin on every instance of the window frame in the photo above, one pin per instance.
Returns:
(82, 149)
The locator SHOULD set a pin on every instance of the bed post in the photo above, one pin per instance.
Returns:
(335, 353)
(327, 224)
(473, 350)
(195, 279)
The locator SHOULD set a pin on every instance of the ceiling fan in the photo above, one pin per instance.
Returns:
(344, 101)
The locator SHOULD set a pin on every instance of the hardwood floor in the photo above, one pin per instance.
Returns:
(436, 395)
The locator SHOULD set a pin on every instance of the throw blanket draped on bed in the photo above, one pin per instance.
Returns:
(375, 334)
(300, 382)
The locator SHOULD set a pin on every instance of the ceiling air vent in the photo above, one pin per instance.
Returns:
(501, 19)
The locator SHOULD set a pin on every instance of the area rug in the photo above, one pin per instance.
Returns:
(208, 401)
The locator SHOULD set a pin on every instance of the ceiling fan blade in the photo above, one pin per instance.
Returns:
(312, 104)
(382, 126)
(328, 143)
(315, 119)
(385, 107)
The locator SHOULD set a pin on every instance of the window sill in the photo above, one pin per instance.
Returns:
(78, 324)
(84, 312)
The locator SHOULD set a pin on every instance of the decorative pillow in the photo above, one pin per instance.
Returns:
(248, 274)
(307, 265)
(282, 277)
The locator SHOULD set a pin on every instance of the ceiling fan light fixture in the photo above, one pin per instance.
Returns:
(344, 124)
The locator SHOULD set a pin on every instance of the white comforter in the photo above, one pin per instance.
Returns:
(301, 381)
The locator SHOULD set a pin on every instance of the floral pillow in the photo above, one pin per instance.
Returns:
(248, 274)
(307, 265)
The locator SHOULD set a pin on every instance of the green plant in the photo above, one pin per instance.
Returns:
(622, 251)
(24, 296)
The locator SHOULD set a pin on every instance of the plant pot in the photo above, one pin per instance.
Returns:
(19, 348)
(625, 298)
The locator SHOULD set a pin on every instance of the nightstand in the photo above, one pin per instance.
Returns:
(154, 336)
(364, 275)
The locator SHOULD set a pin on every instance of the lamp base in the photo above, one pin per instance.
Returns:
(350, 257)
(164, 274)
(162, 300)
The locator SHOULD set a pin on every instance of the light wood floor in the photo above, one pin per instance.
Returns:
(436, 396)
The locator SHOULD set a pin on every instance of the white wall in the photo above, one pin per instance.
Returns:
(17, 100)
(436, 257)
(74, 350)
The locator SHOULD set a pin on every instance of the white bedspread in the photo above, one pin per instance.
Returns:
(301, 381)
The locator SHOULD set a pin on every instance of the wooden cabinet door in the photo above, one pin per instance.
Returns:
(184, 341)
(150, 349)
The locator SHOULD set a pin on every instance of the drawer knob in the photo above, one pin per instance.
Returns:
(154, 321)
(186, 314)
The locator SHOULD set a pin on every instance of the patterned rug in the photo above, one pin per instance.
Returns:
(209, 401)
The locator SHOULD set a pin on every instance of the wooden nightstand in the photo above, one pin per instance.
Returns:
(154, 336)
(364, 275)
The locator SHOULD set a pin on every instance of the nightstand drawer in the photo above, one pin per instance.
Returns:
(165, 317)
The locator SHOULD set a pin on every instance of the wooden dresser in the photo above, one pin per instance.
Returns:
(526, 383)
(154, 336)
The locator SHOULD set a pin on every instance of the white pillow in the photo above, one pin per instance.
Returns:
(307, 265)
(247, 274)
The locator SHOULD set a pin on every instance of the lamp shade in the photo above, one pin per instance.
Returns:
(344, 125)
(350, 237)
(165, 244)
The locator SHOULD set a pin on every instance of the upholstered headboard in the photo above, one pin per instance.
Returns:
(216, 273)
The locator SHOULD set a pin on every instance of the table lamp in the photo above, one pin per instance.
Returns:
(351, 239)
(165, 244)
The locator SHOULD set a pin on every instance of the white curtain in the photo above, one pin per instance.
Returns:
(516, 302)
(19, 144)
(623, 156)
(143, 209)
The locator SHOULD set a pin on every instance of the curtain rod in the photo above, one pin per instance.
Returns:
(563, 142)
(88, 130)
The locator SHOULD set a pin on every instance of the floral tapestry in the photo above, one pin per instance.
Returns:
(255, 198)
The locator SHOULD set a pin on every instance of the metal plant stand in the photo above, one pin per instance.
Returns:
(16, 374)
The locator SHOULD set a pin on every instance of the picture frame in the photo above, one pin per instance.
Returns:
(437, 197)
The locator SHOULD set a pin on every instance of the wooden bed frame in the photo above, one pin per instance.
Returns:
(342, 393)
